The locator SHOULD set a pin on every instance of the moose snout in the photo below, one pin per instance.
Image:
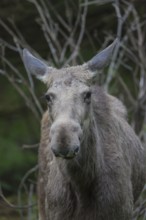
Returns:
(65, 139)
(66, 153)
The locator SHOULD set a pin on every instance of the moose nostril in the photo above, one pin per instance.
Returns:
(60, 152)
(55, 152)
(76, 150)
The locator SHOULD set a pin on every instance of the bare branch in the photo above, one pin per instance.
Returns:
(12, 205)
(30, 146)
(76, 49)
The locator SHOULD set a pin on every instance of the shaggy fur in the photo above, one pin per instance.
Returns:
(107, 175)
(91, 163)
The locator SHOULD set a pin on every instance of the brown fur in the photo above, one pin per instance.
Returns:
(107, 175)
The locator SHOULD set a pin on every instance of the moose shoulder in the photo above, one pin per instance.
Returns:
(91, 163)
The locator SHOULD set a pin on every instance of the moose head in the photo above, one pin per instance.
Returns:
(69, 98)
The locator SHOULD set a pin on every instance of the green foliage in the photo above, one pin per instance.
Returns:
(15, 161)
(14, 158)
(17, 129)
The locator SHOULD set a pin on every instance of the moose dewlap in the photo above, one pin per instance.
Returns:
(91, 163)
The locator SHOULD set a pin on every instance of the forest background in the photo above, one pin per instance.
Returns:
(62, 32)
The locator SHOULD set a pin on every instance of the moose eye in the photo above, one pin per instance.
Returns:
(87, 97)
(49, 98)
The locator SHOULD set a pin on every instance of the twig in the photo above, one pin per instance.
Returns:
(125, 89)
(8, 204)
(8, 45)
(30, 146)
(24, 82)
(49, 34)
(99, 2)
(121, 20)
(82, 30)
(22, 184)
(32, 170)
(70, 39)
(60, 19)
(30, 201)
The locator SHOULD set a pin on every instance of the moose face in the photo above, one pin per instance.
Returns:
(69, 99)
(69, 102)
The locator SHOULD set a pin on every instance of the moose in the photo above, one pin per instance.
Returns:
(91, 163)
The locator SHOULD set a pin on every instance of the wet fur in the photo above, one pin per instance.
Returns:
(104, 179)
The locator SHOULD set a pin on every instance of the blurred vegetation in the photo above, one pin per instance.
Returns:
(63, 32)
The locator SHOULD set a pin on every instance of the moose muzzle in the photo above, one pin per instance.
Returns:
(65, 139)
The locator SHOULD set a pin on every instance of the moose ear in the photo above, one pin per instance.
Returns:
(34, 65)
(101, 59)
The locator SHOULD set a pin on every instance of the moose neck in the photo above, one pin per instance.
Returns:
(83, 171)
